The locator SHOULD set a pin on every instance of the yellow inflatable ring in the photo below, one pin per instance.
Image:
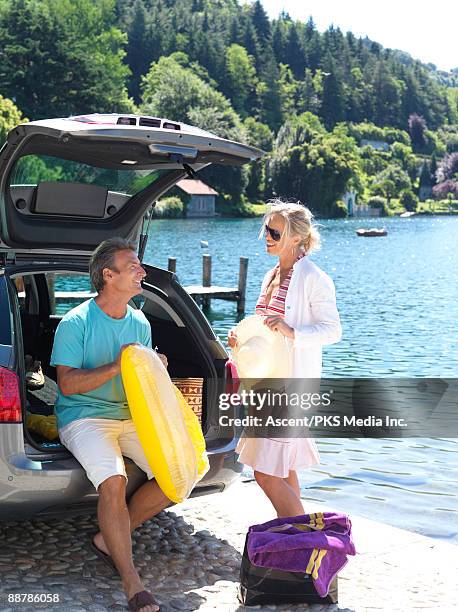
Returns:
(168, 429)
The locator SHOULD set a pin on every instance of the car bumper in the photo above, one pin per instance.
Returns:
(31, 488)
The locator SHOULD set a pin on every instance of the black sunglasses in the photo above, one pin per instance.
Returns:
(273, 233)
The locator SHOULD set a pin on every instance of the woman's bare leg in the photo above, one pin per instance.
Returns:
(293, 482)
(284, 498)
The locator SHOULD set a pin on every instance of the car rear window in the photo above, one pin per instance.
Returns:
(67, 290)
(34, 169)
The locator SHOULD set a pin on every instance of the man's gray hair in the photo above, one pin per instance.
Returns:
(104, 257)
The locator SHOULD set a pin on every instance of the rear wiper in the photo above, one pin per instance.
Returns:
(179, 159)
(192, 174)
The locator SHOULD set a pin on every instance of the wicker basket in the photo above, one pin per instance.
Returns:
(191, 388)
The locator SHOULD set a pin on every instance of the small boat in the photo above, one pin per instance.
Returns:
(407, 214)
(371, 232)
(204, 244)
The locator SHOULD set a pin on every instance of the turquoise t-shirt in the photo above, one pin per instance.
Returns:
(88, 338)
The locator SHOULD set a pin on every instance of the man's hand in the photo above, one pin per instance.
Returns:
(117, 361)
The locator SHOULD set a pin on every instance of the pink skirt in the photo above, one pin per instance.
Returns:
(277, 456)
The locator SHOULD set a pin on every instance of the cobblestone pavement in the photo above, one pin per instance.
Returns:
(189, 557)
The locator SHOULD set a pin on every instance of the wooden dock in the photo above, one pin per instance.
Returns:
(203, 294)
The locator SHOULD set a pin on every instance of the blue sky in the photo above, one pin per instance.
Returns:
(426, 30)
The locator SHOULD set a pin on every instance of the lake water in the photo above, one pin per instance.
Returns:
(398, 300)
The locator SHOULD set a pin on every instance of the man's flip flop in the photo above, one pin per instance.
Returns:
(104, 557)
(140, 600)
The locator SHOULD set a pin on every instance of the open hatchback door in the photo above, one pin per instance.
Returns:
(68, 184)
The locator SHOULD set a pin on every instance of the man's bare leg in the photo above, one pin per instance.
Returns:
(115, 526)
(147, 501)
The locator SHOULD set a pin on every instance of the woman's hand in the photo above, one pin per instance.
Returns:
(232, 338)
(277, 323)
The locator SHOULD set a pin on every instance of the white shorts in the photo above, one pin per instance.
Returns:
(99, 444)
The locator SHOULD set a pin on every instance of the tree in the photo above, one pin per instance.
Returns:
(288, 91)
(433, 169)
(332, 103)
(240, 78)
(210, 51)
(137, 55)
(10, 116)
(177, 92)
(62, 58)
(409, 200)
(279, 38)
(359, 96)
(263, 36)
(259, 135)
(417, 129)
(261, 23)
(442, 190)
(311, 165)
(308, 98)
(269, 96)
(391, 181)
(171, 89)
(386, 187)
(313, 46)
(425, 182)
(407, 160)
(387, 96)
(448, 168)
(425, 176)
(294, 52)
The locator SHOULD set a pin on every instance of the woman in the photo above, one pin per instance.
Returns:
(298, 300)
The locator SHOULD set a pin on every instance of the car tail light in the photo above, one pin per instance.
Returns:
(10, 399)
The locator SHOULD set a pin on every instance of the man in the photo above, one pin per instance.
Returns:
(92, 412)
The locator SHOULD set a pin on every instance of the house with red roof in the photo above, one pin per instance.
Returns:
(200, 198)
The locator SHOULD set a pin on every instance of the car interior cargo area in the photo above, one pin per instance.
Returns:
(43, 298)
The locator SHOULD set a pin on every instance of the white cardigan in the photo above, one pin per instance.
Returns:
(310, 309)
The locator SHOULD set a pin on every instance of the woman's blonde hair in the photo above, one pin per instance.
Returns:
(298, 222)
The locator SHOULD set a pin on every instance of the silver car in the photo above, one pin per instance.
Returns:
(67, 185)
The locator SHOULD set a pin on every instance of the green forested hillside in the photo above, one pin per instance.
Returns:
(311, 99)
(335, 75)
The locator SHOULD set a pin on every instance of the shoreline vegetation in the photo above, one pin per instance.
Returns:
(343, 120)
(173, 208)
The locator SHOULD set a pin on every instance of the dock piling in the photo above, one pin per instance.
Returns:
(172, 264)
(206, 277)
(243, 272)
